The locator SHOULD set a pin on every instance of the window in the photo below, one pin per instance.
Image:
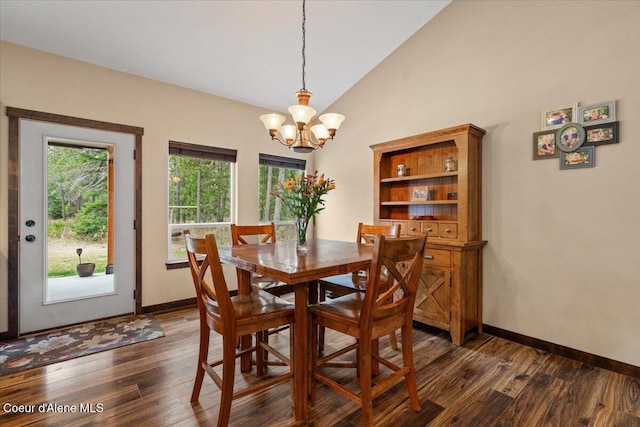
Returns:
(274, 170)
(200, 193)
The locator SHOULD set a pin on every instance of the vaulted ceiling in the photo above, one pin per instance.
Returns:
(249, 51)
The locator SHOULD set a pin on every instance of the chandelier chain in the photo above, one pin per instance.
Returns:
(304, 56)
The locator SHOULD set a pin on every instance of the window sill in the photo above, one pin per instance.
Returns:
(174, 265)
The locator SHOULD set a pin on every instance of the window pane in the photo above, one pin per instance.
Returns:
(200, 194)
(199, 190)
(271, 208)
(178, 251)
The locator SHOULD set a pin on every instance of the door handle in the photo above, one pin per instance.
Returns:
(30, 238)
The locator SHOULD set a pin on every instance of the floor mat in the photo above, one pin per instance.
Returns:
(80, 340)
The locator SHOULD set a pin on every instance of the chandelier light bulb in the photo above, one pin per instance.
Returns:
(332, 120)
(289, 132)
(320, 132)
(301, 113)
(272, 121)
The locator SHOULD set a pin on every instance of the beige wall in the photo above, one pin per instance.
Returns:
(39, 81)
(563, 260)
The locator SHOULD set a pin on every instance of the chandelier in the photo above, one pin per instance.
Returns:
(301, 138)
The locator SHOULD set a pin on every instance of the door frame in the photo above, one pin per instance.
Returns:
(15, 115)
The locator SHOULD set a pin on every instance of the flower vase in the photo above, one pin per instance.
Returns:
(301, 233)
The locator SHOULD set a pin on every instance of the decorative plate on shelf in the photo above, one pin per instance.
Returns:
(570, 137)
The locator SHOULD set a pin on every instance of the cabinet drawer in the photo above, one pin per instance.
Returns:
(437, 257)
(414, 228)
(402, 224)
(431, 228)
(448, 230)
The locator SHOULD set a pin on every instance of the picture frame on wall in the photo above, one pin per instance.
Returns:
(553, 118)
(544, 145)
(570, 137)
(602, 112)
(602, 134)
(581, 158)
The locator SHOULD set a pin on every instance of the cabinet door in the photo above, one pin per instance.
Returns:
(433, 299)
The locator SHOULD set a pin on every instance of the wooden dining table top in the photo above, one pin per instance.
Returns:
(282, 261)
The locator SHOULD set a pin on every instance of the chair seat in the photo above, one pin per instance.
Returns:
(272, 286)
(347, 308)
(257, 307)
(343, 281)
(343, 314)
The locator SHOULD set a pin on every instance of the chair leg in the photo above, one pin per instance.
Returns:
(203, 354)
(313, 361)
(261, 337)
(228, 378)
(322, 296)
(364, 366)
(375, 349)
(292, 383)
(407, 357)
(393, 340)
(265, 353)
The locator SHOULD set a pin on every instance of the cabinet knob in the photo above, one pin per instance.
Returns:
(447, 230)
(430, 229)
(428, 257)
(413, 229)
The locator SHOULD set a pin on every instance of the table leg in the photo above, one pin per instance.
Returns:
(301, 354)
(244, 287)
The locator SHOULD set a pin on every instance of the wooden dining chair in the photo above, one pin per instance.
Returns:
(233, 317)
(349, 283)
(368, 316)
(266, 234)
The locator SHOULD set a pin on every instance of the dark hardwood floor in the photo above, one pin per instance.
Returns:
(487, 382)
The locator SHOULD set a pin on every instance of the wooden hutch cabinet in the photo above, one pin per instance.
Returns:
(441, 198)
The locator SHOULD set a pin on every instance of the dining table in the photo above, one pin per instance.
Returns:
(284, 262)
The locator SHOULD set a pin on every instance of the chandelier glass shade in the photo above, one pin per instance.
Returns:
(301, 137)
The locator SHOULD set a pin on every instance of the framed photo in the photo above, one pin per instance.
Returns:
(420, 194)
(603, 134)
(584, 157)
(594, 114)
(544, 145)
(553, 118)
(570, 137)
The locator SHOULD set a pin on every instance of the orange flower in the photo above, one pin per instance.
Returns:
(302, 194)
(290, 184)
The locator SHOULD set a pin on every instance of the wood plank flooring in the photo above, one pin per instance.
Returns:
(487, 382)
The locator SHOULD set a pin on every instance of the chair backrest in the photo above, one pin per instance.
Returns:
(214, 294)
(239, 232)
(391, 295)
(367, 232)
